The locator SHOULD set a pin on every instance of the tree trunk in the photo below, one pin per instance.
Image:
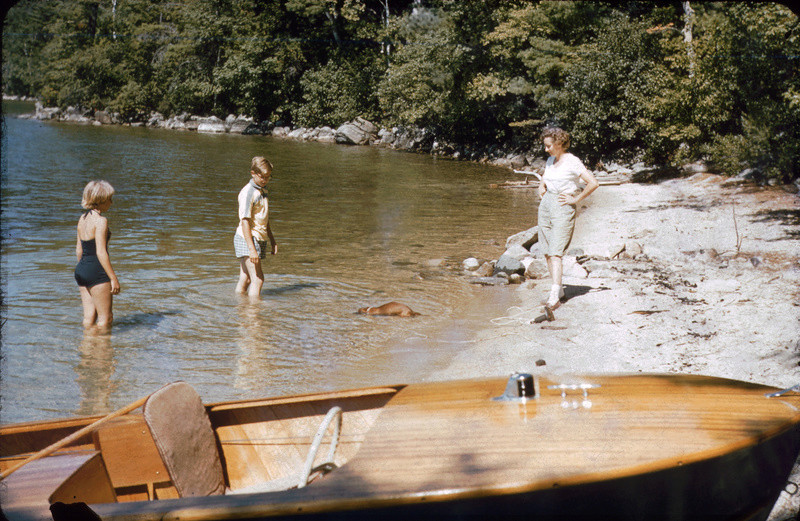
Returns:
(334, 20)
(114, 19)
(386, 44)
(688, 24)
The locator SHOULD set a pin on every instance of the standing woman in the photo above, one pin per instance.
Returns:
(95, 276)
(560, 194)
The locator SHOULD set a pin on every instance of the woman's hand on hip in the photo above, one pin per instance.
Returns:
(567, 199)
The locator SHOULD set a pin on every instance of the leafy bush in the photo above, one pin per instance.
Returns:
(419, 86)
(605, 95)
(336, 92)
(132, 103)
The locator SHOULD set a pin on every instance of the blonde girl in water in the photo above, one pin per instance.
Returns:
(96, 279)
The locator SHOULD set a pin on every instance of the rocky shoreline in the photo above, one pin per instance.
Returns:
(361, 132)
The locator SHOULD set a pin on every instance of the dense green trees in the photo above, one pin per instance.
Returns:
(659, 82)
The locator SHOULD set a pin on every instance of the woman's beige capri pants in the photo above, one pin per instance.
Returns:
(556, 224)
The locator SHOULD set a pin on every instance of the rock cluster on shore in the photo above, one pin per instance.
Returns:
(356, 132)
(522, 260)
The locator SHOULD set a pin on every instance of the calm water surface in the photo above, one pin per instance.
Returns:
(356, 226)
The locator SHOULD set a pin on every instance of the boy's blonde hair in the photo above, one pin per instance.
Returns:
(96, 193)
(260, 164)
(558, 135)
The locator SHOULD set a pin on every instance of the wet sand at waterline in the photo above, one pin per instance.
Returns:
(716, 292)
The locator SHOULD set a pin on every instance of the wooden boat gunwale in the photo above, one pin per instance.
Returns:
(302, 398)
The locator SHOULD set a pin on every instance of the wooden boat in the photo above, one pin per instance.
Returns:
(546, 447)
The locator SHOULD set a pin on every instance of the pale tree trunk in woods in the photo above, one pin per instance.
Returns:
(333, 18)
(688, 23)
(386, 45)
(113, 19)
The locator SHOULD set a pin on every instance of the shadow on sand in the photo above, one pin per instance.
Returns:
(571, 291)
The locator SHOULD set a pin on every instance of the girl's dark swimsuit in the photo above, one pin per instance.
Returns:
(89, 272)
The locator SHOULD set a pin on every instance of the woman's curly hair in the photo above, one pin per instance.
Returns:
(558, 135)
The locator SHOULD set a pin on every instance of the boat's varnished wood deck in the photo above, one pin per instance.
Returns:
(450, 440)
(448, 437)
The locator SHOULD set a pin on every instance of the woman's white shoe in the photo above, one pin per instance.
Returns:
(556, 295)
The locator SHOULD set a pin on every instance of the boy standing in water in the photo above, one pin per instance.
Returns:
(250, 239)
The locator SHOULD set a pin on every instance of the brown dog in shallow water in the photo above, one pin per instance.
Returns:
(390, 309)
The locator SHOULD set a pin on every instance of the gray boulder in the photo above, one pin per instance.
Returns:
(349, 134)
(174, 123)
(632, 249)
(511, 261)
(486, 270)
(156, 119)
(697, 167)
(238, 124)
(103, 117)
(357, 132)
(525, 238)
(536, 251)
(297, 133)
(192, 123)
(211, 125)
(76, 115)
(386, 137)
(471, 264)
(517, 252)
(413, 139)
(366, 126)
(573, 269)
(537, 269)
(326, 135)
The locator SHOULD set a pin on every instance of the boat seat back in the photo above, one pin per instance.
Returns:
(182, 432)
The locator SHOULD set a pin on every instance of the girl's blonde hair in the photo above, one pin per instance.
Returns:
(558, 135)
(260, 164)
(96, 193)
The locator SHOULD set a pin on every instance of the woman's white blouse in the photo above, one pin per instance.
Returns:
(563, 177)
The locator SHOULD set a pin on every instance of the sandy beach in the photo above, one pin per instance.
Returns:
(714, 290)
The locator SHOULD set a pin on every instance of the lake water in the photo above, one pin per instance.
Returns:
(356, 226)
